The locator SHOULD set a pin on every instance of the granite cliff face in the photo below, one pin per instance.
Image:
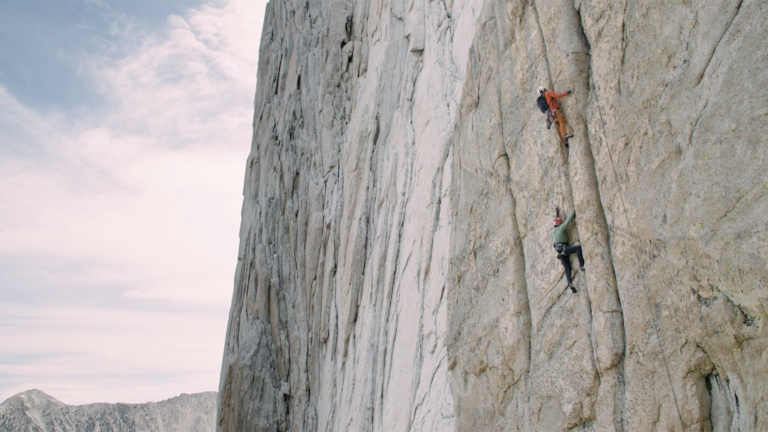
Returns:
(396, 271)
(35, 411)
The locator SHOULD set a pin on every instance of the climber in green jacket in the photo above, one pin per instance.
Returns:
(560, 239)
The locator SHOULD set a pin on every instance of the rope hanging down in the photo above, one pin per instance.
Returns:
(637, 258)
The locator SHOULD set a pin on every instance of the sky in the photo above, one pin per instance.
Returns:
(124, 130)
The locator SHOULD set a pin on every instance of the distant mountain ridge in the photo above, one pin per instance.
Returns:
(35, 411)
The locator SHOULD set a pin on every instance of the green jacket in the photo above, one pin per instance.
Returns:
(560, 233)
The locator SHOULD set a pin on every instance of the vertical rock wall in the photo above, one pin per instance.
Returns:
(338, 318)
(396, 271)
(666, 174)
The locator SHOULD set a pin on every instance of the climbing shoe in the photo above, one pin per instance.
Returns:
(549, 124)
(568, 136)
(573, 288)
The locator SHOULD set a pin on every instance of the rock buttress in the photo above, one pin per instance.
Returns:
(665, 172)
(338, 316)
(396, 271)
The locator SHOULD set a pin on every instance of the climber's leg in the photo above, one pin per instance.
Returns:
(560, 121)
(567, 266)
(577, 250)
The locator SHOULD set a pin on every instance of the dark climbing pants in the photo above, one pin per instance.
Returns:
(567, 264)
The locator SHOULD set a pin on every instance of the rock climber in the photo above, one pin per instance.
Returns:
(553, 112)
(560, 238)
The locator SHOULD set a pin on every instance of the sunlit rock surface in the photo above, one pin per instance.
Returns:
(35, 411)
(396, 270)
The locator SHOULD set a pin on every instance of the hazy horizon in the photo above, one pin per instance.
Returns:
(152, 401)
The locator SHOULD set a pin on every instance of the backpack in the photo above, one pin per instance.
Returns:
(542, 103)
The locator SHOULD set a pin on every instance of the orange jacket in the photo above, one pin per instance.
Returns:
(551, 98)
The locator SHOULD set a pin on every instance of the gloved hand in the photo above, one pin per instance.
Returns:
(570, 91)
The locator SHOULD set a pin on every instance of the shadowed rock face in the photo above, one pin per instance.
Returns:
(396, 270)
(35, 411)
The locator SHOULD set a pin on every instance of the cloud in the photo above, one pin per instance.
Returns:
(131, 205)
(196, 71)
(149, 191)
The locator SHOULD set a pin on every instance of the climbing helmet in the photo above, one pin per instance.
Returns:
(557, 221)
(541, 90)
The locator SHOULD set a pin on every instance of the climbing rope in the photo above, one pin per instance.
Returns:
(637, 257)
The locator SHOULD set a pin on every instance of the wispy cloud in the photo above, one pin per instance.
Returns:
(134, 205)
(196, 70)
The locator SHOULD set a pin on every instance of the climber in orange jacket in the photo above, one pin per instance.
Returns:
(554, 114)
